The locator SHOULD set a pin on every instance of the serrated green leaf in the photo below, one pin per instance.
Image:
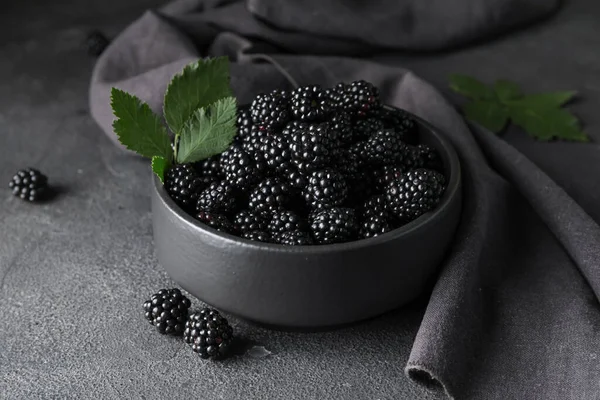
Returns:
(137, 127)
(507, 90)
(470, 87)
(160, 165)
(544, 100)
(489, 113)
(208, 132)
(546, 123)
(198, 85)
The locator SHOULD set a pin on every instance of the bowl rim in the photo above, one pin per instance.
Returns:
(454, 184)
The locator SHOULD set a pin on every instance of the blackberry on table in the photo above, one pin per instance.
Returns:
(363, 129)
(285, 221)
(96, 43)
(374, 225)
(270, 194)
(220, 197)
(334, 225)
(294, 238)
(243, 123)
(361, 99)
(167, 310)
(209, 333)
(216, 221)
(402, 123)
(247, 221)
(310, 103)
(385, 148)
(326, 188)
(313, 147)
(415, 193)
(258, 236)
(29, 184)
(184, 185)
(240, 168)
(271, 110)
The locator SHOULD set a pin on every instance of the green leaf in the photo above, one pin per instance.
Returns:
(208, 132)
(507, 90)
(160, 165)
(544, 100)
(489, 113)
(546, 123)
(198, 85)
(470, 87)
(137, 127)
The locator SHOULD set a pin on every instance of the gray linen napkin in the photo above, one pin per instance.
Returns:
(514, 313)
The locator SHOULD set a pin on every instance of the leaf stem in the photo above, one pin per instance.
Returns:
(175, 147)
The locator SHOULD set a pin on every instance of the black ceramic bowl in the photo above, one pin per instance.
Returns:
(309, 286)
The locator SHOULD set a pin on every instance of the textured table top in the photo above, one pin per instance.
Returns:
(75, 271)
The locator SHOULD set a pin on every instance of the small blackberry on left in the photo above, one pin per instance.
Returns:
(29, 184)
(167, 310)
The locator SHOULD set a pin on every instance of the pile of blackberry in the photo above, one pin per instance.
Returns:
(314, 166)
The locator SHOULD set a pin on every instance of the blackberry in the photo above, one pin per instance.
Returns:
(241, 169)
(296, 179)
(220, 197)
(340, 125)
(271, 194)
(252, 143)
(243, 123)
(427, 157)
(209, 333)
(374, 225)
(326, 188)
(285, 221)
(313, 147)
(294, 238)
(294, 127)
(247, 221)
(337, 96)
(96, 43)
(384, 175)
(184, 185)
(216, 221)
(334, 225)
(415, 193)
(402, 123)
(385, 147)
(359, 152)
(29, 184)
(257, 236)
(271, 110)
(167, 310)
(361, 99)
(276, 152)
(211, 167)
(365, 128)
(375, 206)
(310, 103)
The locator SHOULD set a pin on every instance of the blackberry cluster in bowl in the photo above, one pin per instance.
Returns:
(314, 166)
